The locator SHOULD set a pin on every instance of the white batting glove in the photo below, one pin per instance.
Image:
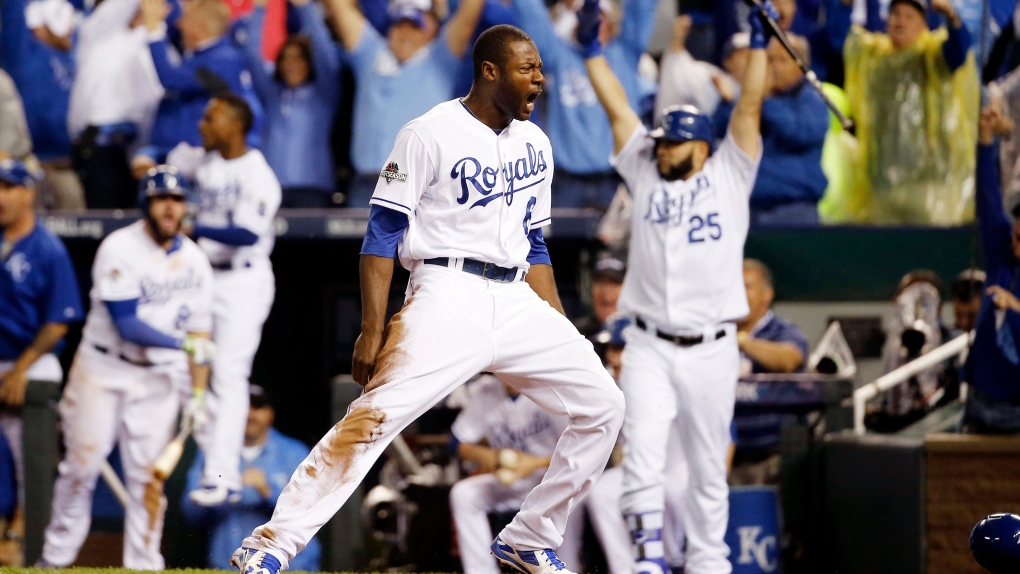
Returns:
(200, 350)
(196, 409)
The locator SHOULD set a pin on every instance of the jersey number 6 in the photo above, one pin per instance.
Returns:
(700, 228)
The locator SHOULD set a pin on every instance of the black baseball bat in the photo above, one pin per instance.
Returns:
(812, 79)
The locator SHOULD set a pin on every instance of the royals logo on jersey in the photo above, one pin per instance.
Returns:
(468, 191)
(701, 222)
(173, 289)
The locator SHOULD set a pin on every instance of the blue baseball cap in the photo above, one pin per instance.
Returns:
(15, 172)
(402, 12)
(683, 124)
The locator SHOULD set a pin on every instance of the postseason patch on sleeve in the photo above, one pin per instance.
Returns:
(392, 172)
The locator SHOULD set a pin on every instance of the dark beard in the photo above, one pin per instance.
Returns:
(157, 233)
(679, 171)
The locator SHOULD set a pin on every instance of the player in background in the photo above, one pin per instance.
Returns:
(465, 194)
(684, 290)
(238, 197)
(38, 297)
(146, 331)
(510, 439)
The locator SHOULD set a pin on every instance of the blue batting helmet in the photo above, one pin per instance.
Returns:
(162, 180)
(612, 331)
(15, 172)
(683, 124)
(995, 543)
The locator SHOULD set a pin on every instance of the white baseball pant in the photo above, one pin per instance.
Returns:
(46, 368)
(242, 299)
(453, 326)
(471, 501)
(109, 401)
(694, 388)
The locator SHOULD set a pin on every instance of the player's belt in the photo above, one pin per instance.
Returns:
(681, 340)
(475, 267)
(122, 356)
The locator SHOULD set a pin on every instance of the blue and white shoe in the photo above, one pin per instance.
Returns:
(528, 561)
(251, 561)
(211, 495)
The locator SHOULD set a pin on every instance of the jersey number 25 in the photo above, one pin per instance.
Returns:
(704, 228)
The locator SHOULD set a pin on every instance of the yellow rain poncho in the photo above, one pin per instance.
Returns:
(916, 128)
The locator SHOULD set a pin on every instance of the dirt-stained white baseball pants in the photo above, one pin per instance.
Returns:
(241, 302)
(109, 401)
(453, 326)
(694, 388)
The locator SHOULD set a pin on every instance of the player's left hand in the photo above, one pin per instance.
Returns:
(153, 12)
(12, 391)
(200, 349)
(1003, 299)
(760, 32)
(589, 20)
(196, 409)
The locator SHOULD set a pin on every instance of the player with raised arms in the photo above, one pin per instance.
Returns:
(685, 290)
(463, 197)
(148, 327)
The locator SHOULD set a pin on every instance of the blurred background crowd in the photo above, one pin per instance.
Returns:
(96, 92)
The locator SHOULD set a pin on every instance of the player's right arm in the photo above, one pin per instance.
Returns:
(376, 276)
(608, 88)
(348, 22)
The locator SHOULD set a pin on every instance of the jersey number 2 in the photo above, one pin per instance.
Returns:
(700, 228)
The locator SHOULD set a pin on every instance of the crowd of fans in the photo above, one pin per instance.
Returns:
(94, 94)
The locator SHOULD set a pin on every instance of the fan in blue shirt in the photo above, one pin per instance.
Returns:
(210, 64)
(38, 298)
(399, 77)
(268, 460)
(300, 96)
(993, 364)
(770, 345)
(576, 123)
(44, 73)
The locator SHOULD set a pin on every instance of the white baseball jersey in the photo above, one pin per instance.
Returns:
(687, 244)
(174, 291)
(242, 192)
(467, 191)
(505, 421)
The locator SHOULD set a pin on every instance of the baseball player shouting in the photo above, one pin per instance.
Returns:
(239, 195)
(685, 289)
(151, 298)
(465, 193)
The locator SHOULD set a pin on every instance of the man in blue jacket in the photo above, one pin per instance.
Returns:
(210, 64)
(576, 123)
(993, 364)
(268, 460)
(794, 121)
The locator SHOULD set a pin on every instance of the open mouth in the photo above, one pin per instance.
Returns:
(530, 100)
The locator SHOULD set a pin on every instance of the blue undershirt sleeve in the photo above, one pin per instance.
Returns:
(134, 330)
(237, 236)
(385, 228)
(954, 49)
(539, 254)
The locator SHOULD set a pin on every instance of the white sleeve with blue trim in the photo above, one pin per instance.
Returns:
(405, 176)
(113, 273)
